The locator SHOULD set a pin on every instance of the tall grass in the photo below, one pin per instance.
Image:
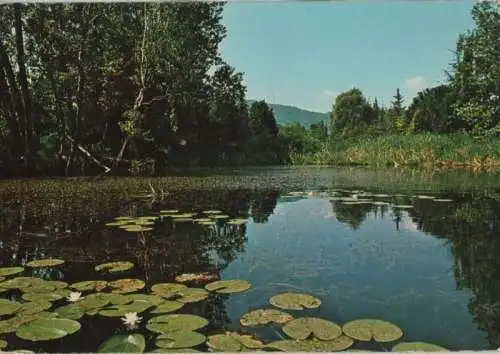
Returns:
(425, 150)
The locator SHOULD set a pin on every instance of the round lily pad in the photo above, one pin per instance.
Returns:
(173, 323)
(192, 295)
(8, 307)
(233, 342)
(120, 310)
(119, 222)
(220, 216)
(312, 345)
(58, 284)
(42, 263)
(33, 307)
(303, 328)
(168, 290)
(3, 344)
(418, 347)
(126, 285)
(47, 329)
(22, 283)
(366, 329)
(169, 211)
(53, 296)
(294, 301)
(92, 303)
(114, 267)
(115, 299)
(167, 306)
(212, 212)
(237, 221)
(208, 223)
(265, 316)
(181, 339)
(137, 228)
(44, 287)
(186, 277)
(123, 343)
(228, 286)
(6, 271)
(70, 312)
(154, 300)
(89, 285)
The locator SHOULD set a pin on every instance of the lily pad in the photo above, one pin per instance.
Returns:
(294, 301)
(179, 350)
(186, 277)
(119, 222)
(33, 307)
(228, 286)
(6, 271)
(120, 310)
(114, 267)
(303, 328)
(43, 263)
(313, 345)
(418, 347)
(58, 284)
(21, 283)
(115, 299)
(220, 216)
(168, 290)
(93, 303)
(366, 329)
(8, 307)
(265, 316)
(192, 295)
(207, 223)
(47, 329)
(89, 285)
(167, 306)
(233, 342)
(70, 312)
(3, 344)
(212, 212)
(183, 216)
(169, 211)
(124, 343)
(173, 323)
(237, 221)
(137, 228)
(154, 300)
(183, 339)
(182, 220)
(123, 286)
(53, 296)
(44, 287)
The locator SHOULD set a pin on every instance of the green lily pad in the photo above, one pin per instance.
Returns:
(265, 316)
(3, 344)
(22, 283)
(313, 345)
(183, 216)
(44, 287)
(186, 277)
(233, 342)
(418, 347)
(12, 324)
(303, 328)
(154, 300)
(208, 223)
(202, 220)
(20, 351)
(33, 307)
(182, 220)
(294, 301)
(123, 343)
(366, 329)
(123, 286)
(192, 295)
(42, 296)
(70, 312)
(173, 323)
(167, 306)
(212, 212)
(43, 263)
(89, 285)
(168, 290)
(403, 206)
(8, 307)
(137, 228)
(237, 221)
(115, 299)
(169, 211)
(47, 329)
(120, 310)
(92, 303)
(220, 216)
(228, 286)
(58, 284)
(119, 222)
(183, 339)
(442, 200)
(6, 271)
(114, 267)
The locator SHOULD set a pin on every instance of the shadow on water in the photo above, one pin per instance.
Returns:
(420, 253)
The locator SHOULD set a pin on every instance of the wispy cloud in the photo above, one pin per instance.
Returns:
(415, 84)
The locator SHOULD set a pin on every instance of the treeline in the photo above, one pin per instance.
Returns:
(468, 105)
(91, 88)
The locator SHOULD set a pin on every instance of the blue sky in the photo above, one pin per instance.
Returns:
(305, 53)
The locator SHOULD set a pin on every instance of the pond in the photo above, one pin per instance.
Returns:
(414, 251)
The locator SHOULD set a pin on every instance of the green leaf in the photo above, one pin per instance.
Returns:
(182, 339)
(265, 316)
(295, 301)
(122, 286)
(168, 290)
(89, 285)
(47, 329)
(313, 345)
(71, 312)
(42, 296)
(114, 267)
(3, 344)
(228, 286)
(366, 329)
(154, 300)
(8, 307)
(192, 295)
(167, 306)
(120, 310)
(5, 271)
(124, 343)
(173, 323)
(303, 328)
(233, 342)
(418, 347)
(30, 308)
(42, 263)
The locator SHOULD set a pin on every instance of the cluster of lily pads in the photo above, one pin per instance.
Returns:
(146, 223)
(49, 310)
(356, 197)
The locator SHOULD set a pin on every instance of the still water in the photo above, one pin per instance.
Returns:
(416, 249)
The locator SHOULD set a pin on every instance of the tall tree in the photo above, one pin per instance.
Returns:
(352, 114)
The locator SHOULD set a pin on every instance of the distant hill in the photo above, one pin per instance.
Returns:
(287, 114)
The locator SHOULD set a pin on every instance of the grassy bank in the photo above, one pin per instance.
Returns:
(420, 150)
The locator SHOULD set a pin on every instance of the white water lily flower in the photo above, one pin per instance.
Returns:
(131, 319)
(74, 296)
